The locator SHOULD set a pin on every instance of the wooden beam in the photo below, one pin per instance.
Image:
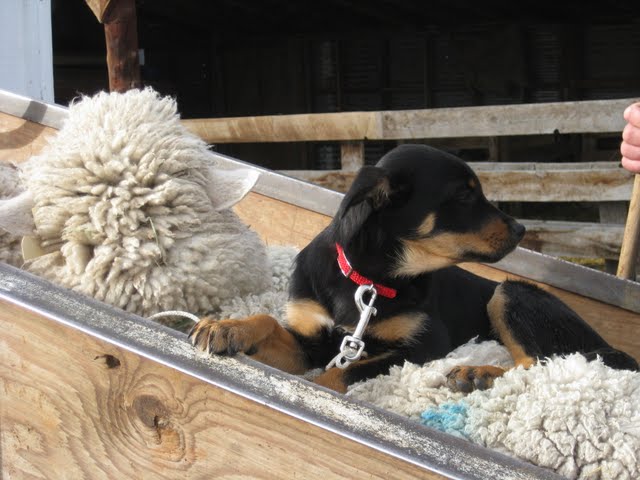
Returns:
(595, 116)
(573, 239)
(287, 128)
(121, 35)
(351, 156)
(528, 182)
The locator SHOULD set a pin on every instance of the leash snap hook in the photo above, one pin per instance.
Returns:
(352, 346)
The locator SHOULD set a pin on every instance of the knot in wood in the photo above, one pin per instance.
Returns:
(151, 411)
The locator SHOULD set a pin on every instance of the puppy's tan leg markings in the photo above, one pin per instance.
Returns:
(307, 317)
(468, 378)
(333, 379)
(260, 336)
(401, 328)
(336, 378)
(496, 309)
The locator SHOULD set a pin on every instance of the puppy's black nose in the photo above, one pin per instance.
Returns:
(518, 230)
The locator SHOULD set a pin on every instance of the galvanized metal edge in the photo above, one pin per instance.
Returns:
(32, 110)
(378, 429)
(532, 265)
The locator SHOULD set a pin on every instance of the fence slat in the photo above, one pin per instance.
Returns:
(526, 182)
(594, 116)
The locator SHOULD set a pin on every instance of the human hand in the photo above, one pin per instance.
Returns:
(630, 147)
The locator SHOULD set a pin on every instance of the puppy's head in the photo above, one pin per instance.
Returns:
(425, 210)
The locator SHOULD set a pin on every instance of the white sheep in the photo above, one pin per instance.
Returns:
(131, 210)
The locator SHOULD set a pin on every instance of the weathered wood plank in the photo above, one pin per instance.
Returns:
(280, 223)
(528, 119)
(351, 156)
(531, 119)
(573, 239)
(528, 182)
(74, 406)
(287, 128)
(20, 139)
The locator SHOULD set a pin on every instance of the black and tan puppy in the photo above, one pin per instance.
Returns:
(403, 225)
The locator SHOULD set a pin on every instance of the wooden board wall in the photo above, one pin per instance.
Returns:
(20, 139)
(77, 407)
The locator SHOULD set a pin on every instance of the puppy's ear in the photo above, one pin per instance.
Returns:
(372, 190)
(372, 184)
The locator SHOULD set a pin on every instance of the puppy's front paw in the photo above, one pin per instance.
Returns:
(222, 336)
(467, 379)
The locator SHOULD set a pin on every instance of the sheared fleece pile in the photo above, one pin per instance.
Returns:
(579, 418)
(131, 210)
(9, 242)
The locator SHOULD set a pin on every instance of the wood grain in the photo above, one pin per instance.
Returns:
(573, 239)
(527, 182)
(487, 121)
(280, 223)
(121, 38)
(77, 407)
(21, 139)
(351, 156)
(631, 239)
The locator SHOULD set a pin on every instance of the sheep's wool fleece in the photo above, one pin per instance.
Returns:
(9, 242)
(128, 206)
(578, 418)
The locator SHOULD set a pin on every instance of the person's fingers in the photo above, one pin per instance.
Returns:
(631, 135)
(632, 152)
(632, 114)
(631, 165)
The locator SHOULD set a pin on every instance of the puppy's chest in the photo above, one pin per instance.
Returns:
(346, 314)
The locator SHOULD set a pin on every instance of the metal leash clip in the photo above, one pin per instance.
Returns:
(352, 345)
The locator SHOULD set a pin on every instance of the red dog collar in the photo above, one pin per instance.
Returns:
(351, 274)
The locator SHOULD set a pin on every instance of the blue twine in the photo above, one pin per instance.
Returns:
(449, 417)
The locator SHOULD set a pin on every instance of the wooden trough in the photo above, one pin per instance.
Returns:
(89, 391)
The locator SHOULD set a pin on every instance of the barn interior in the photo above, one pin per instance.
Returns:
(237, 58)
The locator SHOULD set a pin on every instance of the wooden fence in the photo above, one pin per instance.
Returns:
(602, 182)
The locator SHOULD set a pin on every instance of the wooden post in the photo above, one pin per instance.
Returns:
(351, 156)
(121, 35)
(631, 240)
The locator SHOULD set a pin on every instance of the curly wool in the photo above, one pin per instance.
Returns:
(578, 418)
(9, 242)
(127, 206)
